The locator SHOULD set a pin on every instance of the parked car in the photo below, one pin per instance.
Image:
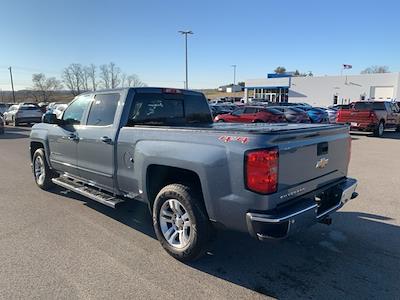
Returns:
(1, 123)
(219, 110)
(293, 114)
(252, 114)
(23, 113)
(160, 146)
(3, 108)
(332, 113)
(57, 109)
(371, 116)
(316, 115)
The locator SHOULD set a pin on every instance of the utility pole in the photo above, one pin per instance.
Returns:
(12, 84)
(234, 73)
(186, 54)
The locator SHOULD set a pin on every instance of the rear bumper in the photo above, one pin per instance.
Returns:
(306, 211)
(361, 126)
(29, 119)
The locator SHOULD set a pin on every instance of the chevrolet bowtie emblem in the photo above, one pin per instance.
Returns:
(322, 163)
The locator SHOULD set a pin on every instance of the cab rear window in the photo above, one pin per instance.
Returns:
(169, 109)
(369, 106)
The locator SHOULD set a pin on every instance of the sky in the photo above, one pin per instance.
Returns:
(142, 38)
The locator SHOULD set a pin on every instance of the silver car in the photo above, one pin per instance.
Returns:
(1, 124)
(23, 113)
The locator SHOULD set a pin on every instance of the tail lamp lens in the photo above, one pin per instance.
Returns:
(261, 170)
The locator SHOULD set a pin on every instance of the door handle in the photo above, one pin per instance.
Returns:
(106, 139)
(73, 137)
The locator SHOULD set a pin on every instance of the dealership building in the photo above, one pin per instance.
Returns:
(323, 90)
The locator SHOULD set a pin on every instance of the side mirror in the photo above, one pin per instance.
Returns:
(50, 119)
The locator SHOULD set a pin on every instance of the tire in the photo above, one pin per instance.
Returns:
(378, 132)
(41, 171)
(175, 206)
(220, 121)
(258, 121)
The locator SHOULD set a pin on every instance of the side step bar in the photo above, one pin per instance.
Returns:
(87, 191)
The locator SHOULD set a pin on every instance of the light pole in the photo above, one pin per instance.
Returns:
(186, 54)
(12, 84)
(234, 73)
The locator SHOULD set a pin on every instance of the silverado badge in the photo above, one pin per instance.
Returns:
(322, 163)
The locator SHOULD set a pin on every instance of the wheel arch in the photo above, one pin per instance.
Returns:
(158, 176)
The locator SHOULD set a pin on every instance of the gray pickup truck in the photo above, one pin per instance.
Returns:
(161, 147)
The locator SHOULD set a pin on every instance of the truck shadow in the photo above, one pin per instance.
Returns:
(356, 257)
(11, 133)
(134, 214)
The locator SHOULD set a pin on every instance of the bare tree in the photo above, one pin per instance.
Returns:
(72, 77)
(92, 75)
(123, 80)
(105, 76)
(44, 88)
(85, 78)
(110, 75)
(134, 81)
(376, 69)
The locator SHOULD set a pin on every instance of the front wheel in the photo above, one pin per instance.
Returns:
(180, 222)
(41, 170)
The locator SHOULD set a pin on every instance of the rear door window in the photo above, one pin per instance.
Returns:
(102, 110)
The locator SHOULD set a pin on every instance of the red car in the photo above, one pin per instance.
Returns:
(252, 114)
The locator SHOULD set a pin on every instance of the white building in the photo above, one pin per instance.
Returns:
(230, 88)
(324, 90)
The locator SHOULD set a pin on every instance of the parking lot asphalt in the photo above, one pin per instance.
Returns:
(61, 245)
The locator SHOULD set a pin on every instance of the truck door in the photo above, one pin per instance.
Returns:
(392, 115)
(97, 141)
(63, 139)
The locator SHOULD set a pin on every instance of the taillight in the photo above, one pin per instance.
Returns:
(261, 170)
(372, 116)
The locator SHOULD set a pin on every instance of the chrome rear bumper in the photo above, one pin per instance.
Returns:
(303, 212)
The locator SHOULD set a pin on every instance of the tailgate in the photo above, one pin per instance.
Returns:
(310, 156)
(352, 115)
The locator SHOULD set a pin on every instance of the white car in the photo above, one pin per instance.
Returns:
(57, 109)
(23, 113)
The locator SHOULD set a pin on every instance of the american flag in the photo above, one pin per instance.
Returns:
(347, 66)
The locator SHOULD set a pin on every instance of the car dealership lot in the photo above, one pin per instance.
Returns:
(62, 245)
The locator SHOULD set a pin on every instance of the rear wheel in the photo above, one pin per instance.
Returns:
(379, 129)
(41, 170)
(180, 222)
